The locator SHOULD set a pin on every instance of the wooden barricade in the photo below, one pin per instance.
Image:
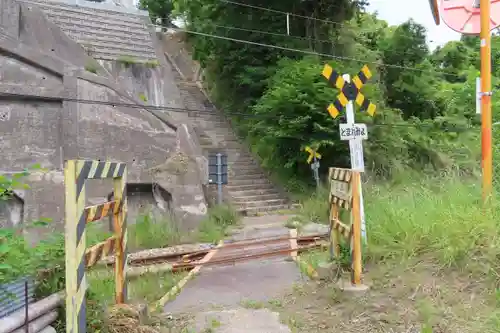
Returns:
(344, 194)
(77, 215)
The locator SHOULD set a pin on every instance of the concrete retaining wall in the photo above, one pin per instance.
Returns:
(47, 125)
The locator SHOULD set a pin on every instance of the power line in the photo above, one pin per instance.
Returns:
(281, 12)
(342, 58)
(36, 98)
(263, 32)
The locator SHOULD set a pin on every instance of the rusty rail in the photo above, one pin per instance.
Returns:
(189, 256)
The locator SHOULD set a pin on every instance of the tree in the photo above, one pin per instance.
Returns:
(158, 9)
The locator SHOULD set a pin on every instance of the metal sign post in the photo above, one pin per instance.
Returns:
(217, 172)
(355, 133)
(356, 150)
(314, 156)
(219, 178)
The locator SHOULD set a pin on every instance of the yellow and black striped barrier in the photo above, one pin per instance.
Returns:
(77, 215)
(344, 193)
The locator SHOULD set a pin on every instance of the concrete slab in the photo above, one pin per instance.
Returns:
(240, 321)
(257, 280)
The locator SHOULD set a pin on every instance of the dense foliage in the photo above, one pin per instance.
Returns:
(425, 100)
(17, 257)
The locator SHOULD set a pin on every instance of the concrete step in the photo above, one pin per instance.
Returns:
(243, 176)
(246, 169)
(232, 188)
(105, 33)
(55, 7)
(252, 211)
(254, 198)
(262, 203)
(261, 181)
(253, 192)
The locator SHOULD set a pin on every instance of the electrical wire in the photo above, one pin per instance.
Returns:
(166, 109)
(281, 12)
(270, 33)
(308, 52)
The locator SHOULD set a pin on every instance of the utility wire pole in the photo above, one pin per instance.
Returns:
(487, 158)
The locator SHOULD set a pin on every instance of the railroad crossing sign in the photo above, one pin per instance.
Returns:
(349, 91)
(312, 154)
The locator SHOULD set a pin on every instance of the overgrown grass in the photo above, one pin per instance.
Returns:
(215, 226)
(432, 256)
(149, 232)
(442, 219)
(145, 289)
(313, 209)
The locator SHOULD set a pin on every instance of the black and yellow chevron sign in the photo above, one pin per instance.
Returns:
(349, 91)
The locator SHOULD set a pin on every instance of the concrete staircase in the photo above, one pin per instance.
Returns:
(107, 32)
(249, 188)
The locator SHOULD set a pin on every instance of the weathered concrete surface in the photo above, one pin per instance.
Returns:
(34, 30)
(227, 286)
(151, 83)
(183, 175)
(49, 125)
(240, 320)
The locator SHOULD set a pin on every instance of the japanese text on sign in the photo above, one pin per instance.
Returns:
(353, 131)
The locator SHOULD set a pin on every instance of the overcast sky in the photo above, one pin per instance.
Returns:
(398, 11)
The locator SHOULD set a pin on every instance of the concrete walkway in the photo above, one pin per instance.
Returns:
(217, 293)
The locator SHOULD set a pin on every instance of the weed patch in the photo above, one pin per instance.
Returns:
(251, 304)
(215, 226)
(127, 61)
(313, 209)
(145, 289)
(152, 63)
(143, 97)
(92, 66)
(430, 260)
(149, 233)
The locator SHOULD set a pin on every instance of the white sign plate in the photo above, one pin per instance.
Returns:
(357, 157)
(478, 95)
(353, 131)
(340, 189)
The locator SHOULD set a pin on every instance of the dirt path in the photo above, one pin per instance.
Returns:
(221, 297)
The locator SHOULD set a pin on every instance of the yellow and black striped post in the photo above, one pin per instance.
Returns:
(76, 172)
(344, 194)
